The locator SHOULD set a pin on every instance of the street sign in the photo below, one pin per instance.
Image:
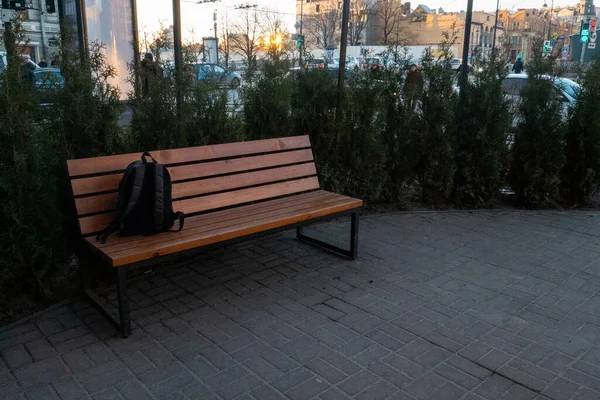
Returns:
(591, 45)
(593, 37)
(547, 47)
(555, 36)
(554, 42)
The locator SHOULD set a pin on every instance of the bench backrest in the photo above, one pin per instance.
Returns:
(205, 178)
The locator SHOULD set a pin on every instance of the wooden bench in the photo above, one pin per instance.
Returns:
(228, 192)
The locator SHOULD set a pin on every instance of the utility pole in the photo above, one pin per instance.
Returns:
(588, 13)
(495, 29)
(344, 44)
(215, 22)
(464, 67)
(178, 50)
(301, 37)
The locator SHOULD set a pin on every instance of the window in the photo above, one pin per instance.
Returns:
(526, 25)
(501, 15)
(219, 70)
(527, 14)
(518, 25)
(514, 25)
(487, 18)
(318, 8)
(515, 40)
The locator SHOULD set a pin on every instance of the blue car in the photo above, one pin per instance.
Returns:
(48, 78)
(223, 76)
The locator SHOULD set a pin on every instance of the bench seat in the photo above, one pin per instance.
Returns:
(219, 226)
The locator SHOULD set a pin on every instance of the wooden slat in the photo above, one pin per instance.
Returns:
(96, 223)
(220, 234)
(99, 165)
(230, 182)
(108, 202)
(215, 201)
(193, 222)
(206, 222)
(107, 183)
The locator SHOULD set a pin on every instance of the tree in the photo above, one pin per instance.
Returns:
(274, 33)
(323, 25)
(389, 16)
(225, 41)
(244, 38)
(360, 15)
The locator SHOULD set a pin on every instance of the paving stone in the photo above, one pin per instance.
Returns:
(448, 392)
(292, 379)
(424, 387)
(457, 376)
(327, 371)
(378, 391)
(494, 387)
(561, 389)
(518, 392)
(356, 383)
(557, 363)
(16, 356)
(68, 388)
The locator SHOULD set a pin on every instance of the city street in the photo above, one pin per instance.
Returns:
(456, 305)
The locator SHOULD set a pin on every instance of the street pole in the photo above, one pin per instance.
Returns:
(495, 28)
(301, 38)
(550, 20)
(583, 46)
(464, 68)
(177, 48)
(343, 45)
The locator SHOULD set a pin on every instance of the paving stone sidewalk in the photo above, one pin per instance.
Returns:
(441, 306)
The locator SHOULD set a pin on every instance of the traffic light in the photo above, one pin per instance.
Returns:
(50, 7)
(547, 47)
(584, 34)
(300, 40)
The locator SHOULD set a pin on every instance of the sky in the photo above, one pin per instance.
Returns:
(197, 19)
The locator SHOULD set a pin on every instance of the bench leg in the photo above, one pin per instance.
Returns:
(352, 253)
(122, 322)
(124, 312)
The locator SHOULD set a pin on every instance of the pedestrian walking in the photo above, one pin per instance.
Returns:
(518, 67)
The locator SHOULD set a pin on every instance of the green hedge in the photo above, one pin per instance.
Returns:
(369, 141)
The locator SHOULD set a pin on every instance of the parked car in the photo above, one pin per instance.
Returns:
(566, 89)
(316, 63)
(47, 82)
(221, 75)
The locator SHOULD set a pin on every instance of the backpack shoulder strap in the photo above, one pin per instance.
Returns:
(137, 190)
(159, 196)
(181, 217)
(135, 196)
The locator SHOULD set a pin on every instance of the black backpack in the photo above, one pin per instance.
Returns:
(144, 205)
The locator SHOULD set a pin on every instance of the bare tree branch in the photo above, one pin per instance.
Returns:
(324, 24)
(244, 37)
(361, 11)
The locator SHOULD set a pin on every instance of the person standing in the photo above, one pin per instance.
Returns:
(413, 86)
(149, 71)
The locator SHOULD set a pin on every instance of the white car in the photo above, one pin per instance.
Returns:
(568, 90)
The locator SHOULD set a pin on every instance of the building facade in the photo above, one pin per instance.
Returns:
(427, 28)
(42, 31)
